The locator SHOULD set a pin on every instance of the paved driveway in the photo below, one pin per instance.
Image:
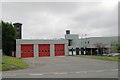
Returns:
(65, 67)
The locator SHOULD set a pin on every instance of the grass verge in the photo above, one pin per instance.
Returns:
(101, 57)
(12, 63)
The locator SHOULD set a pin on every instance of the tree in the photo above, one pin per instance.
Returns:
(116, 47)
(8, 37)
(0, 36)
(100, 47)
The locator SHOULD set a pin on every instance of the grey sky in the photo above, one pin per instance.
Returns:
(51, 19)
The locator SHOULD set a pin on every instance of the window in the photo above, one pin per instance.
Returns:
(88, 42)
(69, 42)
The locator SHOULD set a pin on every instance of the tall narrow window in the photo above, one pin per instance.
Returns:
(88, 42)
(69, 42)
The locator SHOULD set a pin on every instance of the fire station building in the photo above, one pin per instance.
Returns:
(40, 48)
(71, 43)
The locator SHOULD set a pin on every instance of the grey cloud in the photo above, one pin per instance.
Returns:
(97, 22)
(50, 19)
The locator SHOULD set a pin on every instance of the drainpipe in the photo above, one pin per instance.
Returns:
(91, 51)
(72, 51)
(97, 51)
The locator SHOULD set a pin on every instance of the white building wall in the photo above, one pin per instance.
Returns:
(36, 51)
(51, 49)
(36, 42)
(93, 40)
(18, 50)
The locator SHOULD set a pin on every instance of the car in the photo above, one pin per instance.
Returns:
(115, 54)
(104, 54)
(110, 55)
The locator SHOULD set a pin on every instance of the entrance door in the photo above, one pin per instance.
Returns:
(59, 49)
(44, 50)
(27, 50)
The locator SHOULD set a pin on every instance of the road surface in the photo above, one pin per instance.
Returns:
(65, 67)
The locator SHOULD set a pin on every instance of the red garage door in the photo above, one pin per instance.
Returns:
(44, 50)
(27, 50)
(59, 50)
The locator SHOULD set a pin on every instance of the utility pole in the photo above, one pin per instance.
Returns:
(84, 42)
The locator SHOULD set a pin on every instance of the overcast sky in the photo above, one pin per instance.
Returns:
(51, 19)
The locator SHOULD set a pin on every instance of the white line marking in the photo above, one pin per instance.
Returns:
(83, 72)
(10, 75)
(77, 72)
(36, 74)
(72, 72)
(114, 69)
(61, 73)
(99, 71)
